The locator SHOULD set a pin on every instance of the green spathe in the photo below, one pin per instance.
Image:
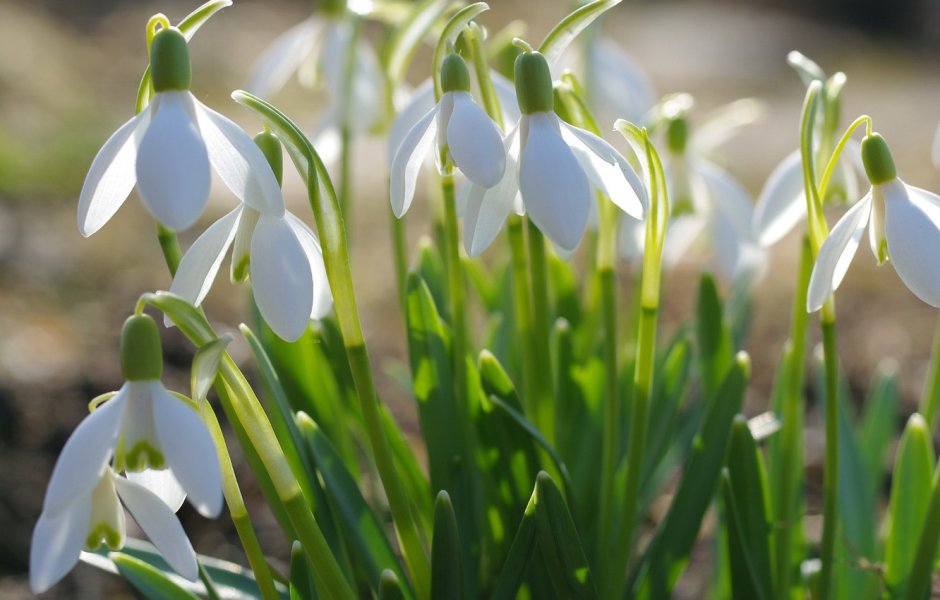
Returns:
(270, 146)
(141, 351)
(454, 75)
(879, 165)
(534, 83)
(170, 69)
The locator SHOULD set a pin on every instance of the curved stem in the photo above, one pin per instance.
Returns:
(831, 466)
(837, 152)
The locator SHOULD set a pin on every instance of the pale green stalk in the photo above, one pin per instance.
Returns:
(930, 398)
(522, 306)
(455, 280)
(345, 134)
(920, 583)
(544, 400)
(399, 253)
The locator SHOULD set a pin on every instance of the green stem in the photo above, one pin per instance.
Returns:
(400, 254)
(455, 281)
(840, 146)
(919, 584)
(791, 432)
(522, 304)
(474, 35)
(345, 174)
(930, 398)
(831, 466)
(544, 400)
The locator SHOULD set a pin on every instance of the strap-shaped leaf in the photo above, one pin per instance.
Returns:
(301, 579)
(523, 547)
(389, 586)
(560, 542)
(448, 38)
(561, 36)
(446, 577)
(150, 582)
(714, 340)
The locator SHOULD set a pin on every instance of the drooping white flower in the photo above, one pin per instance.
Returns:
(464, 135)
(903, 225)
(165, 151)
(93, 515)
(551, 169)
(282, 254)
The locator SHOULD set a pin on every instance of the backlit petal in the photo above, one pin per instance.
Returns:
(912, 226)
(419, 103)
(280, 278)
(781, 204)
(162, 483)
(322, 296)
(836, 254)
(283, 58)
(189, 450)
(161, 526)
(554, 188)
(57, 543)
(506, 95)
(112, 175)
(475, 143)
(407, 161)
(172, 164)
(728, 197)
(630, 238)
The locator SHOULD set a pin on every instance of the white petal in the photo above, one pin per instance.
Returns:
(112, 175)
(85, 456)
(407, 162)
(280, 278)
(57, 543)
(326, 137)
(201, 262)
(681, 233)
(836, 254)
(282, 58)
(623, 88)
(322, 296)
(781, 204)
(420, 102)
(607, 170)
(475, 143)
(189, 450)
(161, 526)
(365, 108)
(724, 123)
(172, 164)
(506, 95)
(554, 187)
(239, 162)
(912, 226)
(630, 238)
(737, 258)
(728, 197)
(485, 215)
(163, 484)
(241, 246)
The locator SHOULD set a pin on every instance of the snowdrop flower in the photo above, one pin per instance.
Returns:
(551, 169)
(782, 202)
(903, 226)
(279, 251)
(93, 515)
(165, 150)
(466, 138)
(705, 200)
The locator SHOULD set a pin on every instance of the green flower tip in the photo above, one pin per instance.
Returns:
(677, 134)
(879, 165)
(141, 351)
(454, 75)
(534, 83)
(271, 148)
(170, 69)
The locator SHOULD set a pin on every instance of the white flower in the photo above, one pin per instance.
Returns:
(464, 133)
(903, 225)
(551, 168)
(165, 151)
(282, 255)
(90, 515)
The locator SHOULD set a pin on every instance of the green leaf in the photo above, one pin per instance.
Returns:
(407, 36)
(668, 553)
(390, 587)
(565, 288)
(206, 365)
(520, 554)
(413, 480)
(446, 579)
(879, 423)
(910, 495)
(448, 38)
(149, 581)
(714, 341)
(561, 36)
(301, 579)
(744, 491)
(363, 531)
(560, 543)
(431, 270)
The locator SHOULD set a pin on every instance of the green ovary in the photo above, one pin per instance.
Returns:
(140, 456)
(103, 533)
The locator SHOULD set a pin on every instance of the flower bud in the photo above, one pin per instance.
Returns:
(271, 148)
(454, 75)
(879, 165)
(141, 351)
(534, 83)
(170, 68)
(677, 134)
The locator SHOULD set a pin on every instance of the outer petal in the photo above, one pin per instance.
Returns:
(728, 197)
(420, 102)
(201, 262)
(475, 143)
(607, 170)
(281, 278)
(322, 295)
(162, 483)
(485, 215)
(326, 136)
(172, 163)
(283, 58)
(85, 456)
(407, 162)
(836, 254)
(912, 226)
(57, 543)
(239, 162)
(554, 187)
(781, 203)
(623, 88)
(630, 238)
(112, 175)
(506, 94)
(189, 451)
(737, 258)
(161, 526)
(681, 233)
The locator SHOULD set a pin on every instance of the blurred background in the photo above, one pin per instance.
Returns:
(68, 77)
